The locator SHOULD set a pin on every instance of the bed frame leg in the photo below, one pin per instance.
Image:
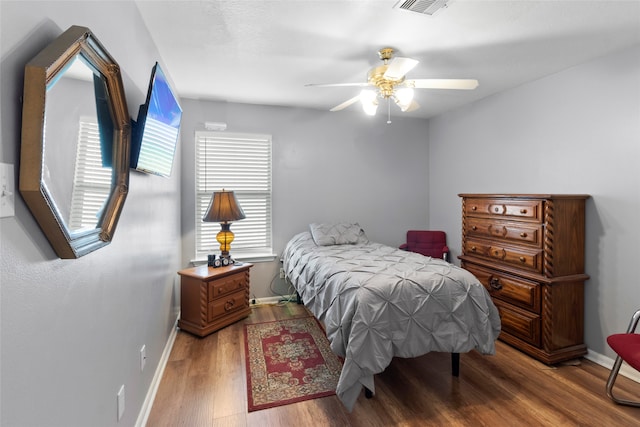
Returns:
(298, 298)
(455, 364)
(368, 393)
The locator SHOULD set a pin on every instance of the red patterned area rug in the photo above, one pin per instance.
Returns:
(288, 361)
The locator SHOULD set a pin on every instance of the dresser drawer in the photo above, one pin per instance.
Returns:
(517, 232)
(521, 292)
(522, 257)
(519, 323)
(504, 208)
(227, 284)
(226, 305)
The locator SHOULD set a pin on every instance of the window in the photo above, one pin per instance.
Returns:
(91, 181)
(239, 163)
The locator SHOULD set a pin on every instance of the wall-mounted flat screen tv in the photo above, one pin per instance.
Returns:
(155, 134)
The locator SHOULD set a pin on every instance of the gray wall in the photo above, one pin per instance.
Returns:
(326, 167)
(71, 330)
(577, 131)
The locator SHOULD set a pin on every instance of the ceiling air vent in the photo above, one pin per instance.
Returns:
(426, 7)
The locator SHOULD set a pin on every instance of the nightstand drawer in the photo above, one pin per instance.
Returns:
(516, 232)
(227, 304)
(521, 257)
(520, 292)
(522, 209)
(227, 284)
(519, 323)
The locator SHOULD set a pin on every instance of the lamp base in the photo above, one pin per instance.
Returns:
(225, 237)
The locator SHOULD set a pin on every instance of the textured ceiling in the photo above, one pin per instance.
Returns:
(264, 52)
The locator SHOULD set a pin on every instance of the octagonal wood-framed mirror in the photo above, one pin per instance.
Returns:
(76, 132)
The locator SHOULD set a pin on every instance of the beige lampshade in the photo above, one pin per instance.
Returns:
(223, 207)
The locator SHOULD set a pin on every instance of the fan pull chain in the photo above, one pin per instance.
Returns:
(388, 111)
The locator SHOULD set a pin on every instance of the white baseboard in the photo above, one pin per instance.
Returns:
(143, 416)
(607, 362)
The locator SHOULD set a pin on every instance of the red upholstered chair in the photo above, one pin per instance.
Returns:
(627, 347)
(429, 243)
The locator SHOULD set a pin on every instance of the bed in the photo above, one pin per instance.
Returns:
(378, 302)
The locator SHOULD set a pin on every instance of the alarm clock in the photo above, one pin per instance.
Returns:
(213, 261)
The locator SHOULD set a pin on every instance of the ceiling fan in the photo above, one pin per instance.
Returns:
(388, 82)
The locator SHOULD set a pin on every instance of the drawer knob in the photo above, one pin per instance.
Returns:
(522, 259)
(473, 248)
(523, 235)
(497, 209)
(523, 211)
(229, 305)
(474, 228)
(474, 208)
(495, 284)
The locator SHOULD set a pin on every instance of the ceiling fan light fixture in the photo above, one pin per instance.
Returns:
(369, 100)
(389, 82)
(370, 108)
(403, 97)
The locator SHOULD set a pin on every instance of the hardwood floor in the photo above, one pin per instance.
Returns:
(204, 384)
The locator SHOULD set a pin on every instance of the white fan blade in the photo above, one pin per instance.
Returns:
(346, 103)
(466, 84)
(398, 67)
(335, 84)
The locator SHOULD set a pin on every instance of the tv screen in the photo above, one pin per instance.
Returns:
(155, 135)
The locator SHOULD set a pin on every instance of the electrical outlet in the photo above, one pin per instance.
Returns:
(120, 402)
(281, 273)
(143, 357)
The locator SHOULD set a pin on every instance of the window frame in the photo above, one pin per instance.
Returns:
(232, 151)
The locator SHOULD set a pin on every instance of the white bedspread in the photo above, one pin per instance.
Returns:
(379, 302)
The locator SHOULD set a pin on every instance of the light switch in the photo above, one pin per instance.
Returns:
(7, 190)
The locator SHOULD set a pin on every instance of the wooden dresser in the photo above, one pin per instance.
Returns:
(212, 298)
(528, 251)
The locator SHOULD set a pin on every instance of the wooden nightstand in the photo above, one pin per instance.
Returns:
(212, 298)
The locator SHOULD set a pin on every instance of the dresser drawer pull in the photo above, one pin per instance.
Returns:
(474, 228)
(473, 248)
(495, 284)
(474, 208)
(497, 231)
(229, 305)
(522, 259)
(523, 211)
(523, 235)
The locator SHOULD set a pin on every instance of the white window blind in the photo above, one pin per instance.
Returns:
(239, 163)
(91, 181)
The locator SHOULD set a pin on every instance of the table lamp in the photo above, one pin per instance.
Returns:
(224, 208)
